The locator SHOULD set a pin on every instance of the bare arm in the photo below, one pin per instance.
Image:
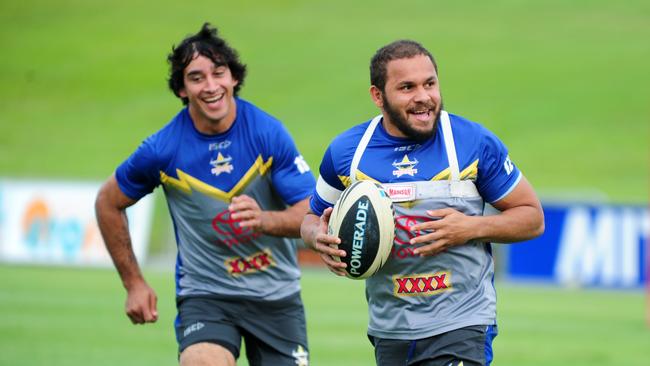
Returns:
(521, 218)
(277, 223)
(110, 207)
(314, 233)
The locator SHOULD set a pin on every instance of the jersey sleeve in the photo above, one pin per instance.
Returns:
(291, 176)
(139, 174)
(328, 187)
(497, 174)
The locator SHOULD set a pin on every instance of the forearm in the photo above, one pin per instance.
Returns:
(281, 223)
(309, 229)
(521, 217)
(314, 233)
(513, 225)
(113, 225)
(285, 223)
(114, 229)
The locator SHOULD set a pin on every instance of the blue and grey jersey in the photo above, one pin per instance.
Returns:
(461, 166)
(200, 175)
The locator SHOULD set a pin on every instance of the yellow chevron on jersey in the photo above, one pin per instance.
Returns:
(468, 173)
(188, 183)
(359, 176)
(363, 176)
(443, 175)
(471, 172)
(345, 180)
(481, 157)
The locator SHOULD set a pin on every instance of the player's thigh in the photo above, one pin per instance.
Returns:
(275, 332)
(206, 321)
(206, 354)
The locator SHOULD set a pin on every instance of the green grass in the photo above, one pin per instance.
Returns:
(70, 317)
(564, 84)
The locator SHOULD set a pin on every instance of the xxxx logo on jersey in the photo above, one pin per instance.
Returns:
(422, 284)
(256, 262)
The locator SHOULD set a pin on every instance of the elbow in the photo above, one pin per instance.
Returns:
(539, 230)
(100, 201)
(108, 200)
(539, 226)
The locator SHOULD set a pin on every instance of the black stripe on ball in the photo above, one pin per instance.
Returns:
(359, 234)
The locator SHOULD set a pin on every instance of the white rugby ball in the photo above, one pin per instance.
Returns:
(363, 218)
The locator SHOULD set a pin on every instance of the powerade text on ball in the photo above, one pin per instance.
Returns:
(359, 232)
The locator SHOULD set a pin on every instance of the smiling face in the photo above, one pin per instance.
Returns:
(411, 100)
(209, 89)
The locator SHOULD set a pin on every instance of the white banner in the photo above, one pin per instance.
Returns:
(53, 222)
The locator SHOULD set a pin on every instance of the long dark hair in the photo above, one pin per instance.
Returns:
(206, 43)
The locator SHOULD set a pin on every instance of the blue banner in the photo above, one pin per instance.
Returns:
(586, 245)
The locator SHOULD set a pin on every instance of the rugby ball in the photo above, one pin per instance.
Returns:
(363, 218)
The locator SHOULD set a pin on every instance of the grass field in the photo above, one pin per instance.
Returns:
(564, 84)
(74, 317)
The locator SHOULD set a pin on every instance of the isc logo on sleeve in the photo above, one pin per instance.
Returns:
(508, 165)
(301, 164)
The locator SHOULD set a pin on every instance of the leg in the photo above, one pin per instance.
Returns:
(205, 333)
(275, 332)
(206, 354)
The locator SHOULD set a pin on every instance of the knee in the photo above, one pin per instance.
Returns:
(206, 354)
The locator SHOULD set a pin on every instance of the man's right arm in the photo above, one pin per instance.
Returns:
(110, 209)
(314, 233)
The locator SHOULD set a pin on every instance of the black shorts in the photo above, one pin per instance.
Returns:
(470, 345)
(274, 331)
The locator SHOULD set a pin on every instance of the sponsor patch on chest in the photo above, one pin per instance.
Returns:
(401, 192)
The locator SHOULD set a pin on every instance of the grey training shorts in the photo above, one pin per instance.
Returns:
(274, 331)
(469, 346)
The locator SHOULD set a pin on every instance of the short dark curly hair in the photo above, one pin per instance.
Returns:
(206, 43)
(394, 51)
